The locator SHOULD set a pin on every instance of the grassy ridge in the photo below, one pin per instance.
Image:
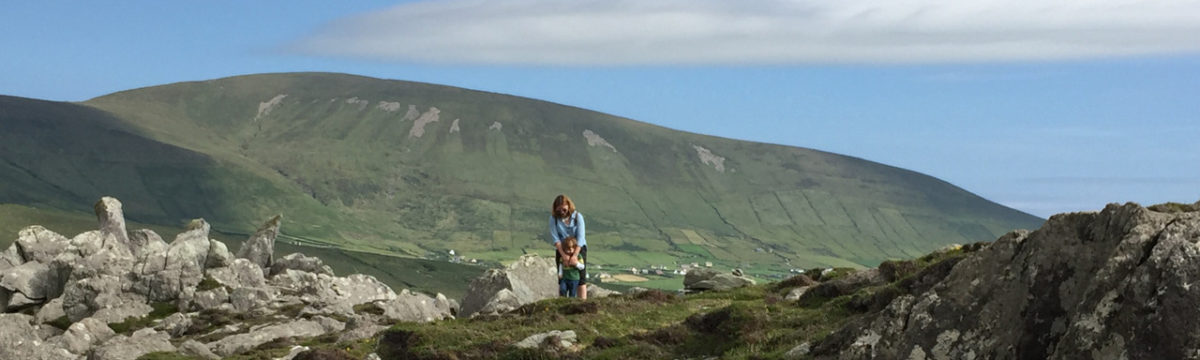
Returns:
(359, 164)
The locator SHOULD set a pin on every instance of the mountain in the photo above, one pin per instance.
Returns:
(416, 169)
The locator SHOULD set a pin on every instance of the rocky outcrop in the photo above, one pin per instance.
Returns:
(1103, 285)
(698, 280)
(260, 248)
(530, 278)
(113, 279)
(297, 261)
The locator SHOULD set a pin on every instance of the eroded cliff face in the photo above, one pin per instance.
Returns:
(1114, 284)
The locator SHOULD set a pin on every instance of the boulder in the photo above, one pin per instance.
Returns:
(112, 222)
(529, 279)
(101, 297)
(239, 273)
(35, 243)
(19, 340)
(247, 299)
(144, 242)
(35, 281)
(209, 299)
(82, 335)
(50, 311)
(596, 292)
(239, 343)
(708, 279)
(219, 255)
(11, 257)
(564, 340)
(297, 261)
(175, 324)
(261, 246)
(194, 348)
(503, 302)
(409, 306)
(1106, 285)
(795, 294)
(131, 347)
(164, 276)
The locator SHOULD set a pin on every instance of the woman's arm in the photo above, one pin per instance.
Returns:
(579, 233)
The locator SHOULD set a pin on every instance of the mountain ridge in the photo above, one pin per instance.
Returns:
(408, 168)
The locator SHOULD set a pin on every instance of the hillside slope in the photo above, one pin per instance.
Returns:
(418, 169)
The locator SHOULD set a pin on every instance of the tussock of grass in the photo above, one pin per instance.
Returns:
(131, 324)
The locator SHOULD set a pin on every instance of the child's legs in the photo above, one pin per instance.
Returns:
(569, 287)
(564, 287)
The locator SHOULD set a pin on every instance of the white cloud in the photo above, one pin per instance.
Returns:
(633, 32)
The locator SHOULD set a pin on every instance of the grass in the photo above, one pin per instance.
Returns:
(131, 324)
(752, 322)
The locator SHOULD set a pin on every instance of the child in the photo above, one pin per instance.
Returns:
(569, 268)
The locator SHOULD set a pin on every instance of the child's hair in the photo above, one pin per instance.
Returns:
(570, 242)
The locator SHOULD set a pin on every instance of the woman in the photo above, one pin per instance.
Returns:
(565, 222)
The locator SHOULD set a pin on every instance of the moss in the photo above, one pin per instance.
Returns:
(1174, 207)
(62, 323)
(159, 310)
(368, 308)
(208, 283)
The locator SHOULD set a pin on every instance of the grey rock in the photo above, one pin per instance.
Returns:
(50, 311)
(34, 280)
(196, 349)
(144, 242)
(503, 302)
(1112, 284)
(239, 343)
(15, 328)
(529, 279)
(356, 289)
(20, 340)
(261, 246)
(297, 261)
(295, 350)
(414, 307)
(372, 356)
(11, 257)
(101, 297)
(209, 299)
(112, 222)
(47, 332)
(566, 339)
(164, 276)
(239, 273)
(219, 255)
(87, 243)
(175, 324)
(82, 335)
(596, 292)
(131, 347)
(247, 300)
(797, 352)
(35, 243)
(5, 296)
(708, 279)
(795, 294)
(296, 281)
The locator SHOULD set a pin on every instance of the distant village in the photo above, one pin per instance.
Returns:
(659, 270)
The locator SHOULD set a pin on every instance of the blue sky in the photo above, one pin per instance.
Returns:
(1046, 107)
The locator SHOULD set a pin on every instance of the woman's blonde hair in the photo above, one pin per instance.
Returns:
(559, 201)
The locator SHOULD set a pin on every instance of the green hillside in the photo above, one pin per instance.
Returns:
(414, 169)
